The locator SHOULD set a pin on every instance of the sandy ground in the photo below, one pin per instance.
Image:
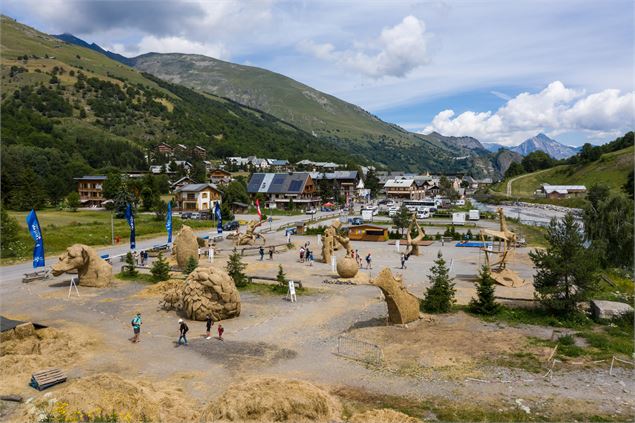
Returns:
(432, 358)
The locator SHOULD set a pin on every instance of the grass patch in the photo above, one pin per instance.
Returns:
(536, 316)
(60, 229)
(141, 277)
(521, 360)
(274, 289)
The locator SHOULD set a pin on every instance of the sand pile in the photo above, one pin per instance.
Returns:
(274, 400)
(131, 400)
(384, 415)
(160, 288)
(26, 350)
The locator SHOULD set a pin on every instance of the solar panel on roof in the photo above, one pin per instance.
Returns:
(278, 179)
(295, 186)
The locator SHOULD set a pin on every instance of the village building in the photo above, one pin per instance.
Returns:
(285, 190)
(90, 190)
(404, 189)
(186, 180)
(278, 165)
(219, 176)
(367, 232)
(343, 182)
(197, 197)
(199, 152)
(164, 148)
(561, 191)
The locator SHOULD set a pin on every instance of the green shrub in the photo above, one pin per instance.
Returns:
(485, 303)
(235, 268)
(160, 269)
(439, 298)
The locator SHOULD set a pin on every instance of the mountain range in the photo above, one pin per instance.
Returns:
(540, 142)
(322, 115)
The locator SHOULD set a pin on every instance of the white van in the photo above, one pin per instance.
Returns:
(423, 214)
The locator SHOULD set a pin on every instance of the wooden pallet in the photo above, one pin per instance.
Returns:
(47, 378)
(32, 276)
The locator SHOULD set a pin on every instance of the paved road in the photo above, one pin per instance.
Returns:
(509, 183)
(16, 271)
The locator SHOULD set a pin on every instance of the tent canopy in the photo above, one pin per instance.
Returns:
(8, 324)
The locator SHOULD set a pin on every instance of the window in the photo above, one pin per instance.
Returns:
(204, 195)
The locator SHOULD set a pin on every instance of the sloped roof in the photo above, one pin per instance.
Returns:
(278, 183)
(196, 187)
(398, 183)
(92, 178)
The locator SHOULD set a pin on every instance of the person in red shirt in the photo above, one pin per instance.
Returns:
(221, 329)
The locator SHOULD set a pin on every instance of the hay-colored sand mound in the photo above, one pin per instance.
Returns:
(384, 415)
(131, 400)
(160, 288)
(25, 350)
(274, 400)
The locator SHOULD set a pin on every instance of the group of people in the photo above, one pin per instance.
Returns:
(136, 323)
(140, 258)
(358, 258)
(306, 254)
(261, 251)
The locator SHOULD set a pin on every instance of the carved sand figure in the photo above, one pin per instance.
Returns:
(403, 307)
(91, 269)
(328, 244)
(250, 236)
(507, 243)
(346, 266)
(207, 290)
(185, 246)
(413, 243)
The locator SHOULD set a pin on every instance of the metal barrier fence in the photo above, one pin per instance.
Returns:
(359, 350)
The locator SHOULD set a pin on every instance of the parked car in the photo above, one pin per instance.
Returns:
(186, 215)
(356, 221)
(310, 211)
(290, 231)
(196, 216)
(423, 214)
(231, 226)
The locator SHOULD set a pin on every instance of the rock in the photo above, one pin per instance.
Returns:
(24, 330)
(602, 309)
(185, 246)
(403, 307)
(207, 290)
(347, 267)
(92, 270)
(519, 403)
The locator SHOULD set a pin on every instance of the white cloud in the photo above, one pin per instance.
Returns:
(397, 51)
(150, 43)
(556, 109)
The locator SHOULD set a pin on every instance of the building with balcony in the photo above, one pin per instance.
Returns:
(197, 197)
(90, 189)
(285, 190)
(404, 189)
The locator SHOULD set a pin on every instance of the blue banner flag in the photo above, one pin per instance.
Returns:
(219, 217)
(130, 219)
(168, 222)
(36, 234)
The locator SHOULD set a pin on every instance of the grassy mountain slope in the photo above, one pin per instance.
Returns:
(611, 169)
(323, 115)
(69, 111)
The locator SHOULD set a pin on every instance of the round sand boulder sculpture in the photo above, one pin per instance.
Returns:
(185, 246)
(92, 270)
(347, 267)
(207, 290)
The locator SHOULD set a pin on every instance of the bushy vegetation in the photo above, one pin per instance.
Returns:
(235, 268)
(160, 269)
(485, 302)
(439, 297)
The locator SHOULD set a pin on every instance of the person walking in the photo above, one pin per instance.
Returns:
(182, 331)
(270, 253)
(403, 261)
(136, 327)
(368, 261)
(262, 252)
(208, 324)
(301, 254)
(358, 258)
(310, 258)
(221, 329)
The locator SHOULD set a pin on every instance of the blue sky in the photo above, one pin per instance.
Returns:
(498, 70)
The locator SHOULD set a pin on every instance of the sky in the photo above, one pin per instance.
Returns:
(498, 70)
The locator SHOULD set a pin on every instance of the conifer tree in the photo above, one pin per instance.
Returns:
(281, 277)
(129, 269)
(235, 268)
(440, 296)
(190, 265)
(485, 302)
(160, 269)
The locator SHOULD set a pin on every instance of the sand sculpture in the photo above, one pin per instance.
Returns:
(403, 307)
(497, 260)
(250, 236)
(346, 266)
(413, 243)
(207, 290)
(185, 246)
(328, 244)
(92, 270)
(274, 400)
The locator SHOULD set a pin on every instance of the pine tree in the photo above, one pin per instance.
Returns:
(160, 269)
(235, 268)
(129, 269)
(440, 296)
(485, 290)
(190, 265)
(566, 270)
(281, 277)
